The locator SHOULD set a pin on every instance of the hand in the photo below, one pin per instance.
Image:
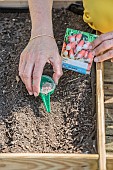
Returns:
(33, 59)
(103, 47)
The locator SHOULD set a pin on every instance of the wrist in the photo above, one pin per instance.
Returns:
(41, 30)
(42, 26)
(41, 17)
(42, 35)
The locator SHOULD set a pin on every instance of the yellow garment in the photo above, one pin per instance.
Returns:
(99, 14)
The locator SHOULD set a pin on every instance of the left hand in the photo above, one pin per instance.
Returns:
(33, 59)
(102, 47)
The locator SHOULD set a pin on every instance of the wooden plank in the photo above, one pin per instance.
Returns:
(108, 87)
(108, 64)
(63, 3)
(108, 99)
(108, 73)
(24, 3)
(109, 70)
(110, 161)
(110, 111)
(108, 80)
(109, 93)
(109, 106)
(109, 144)
(109, 129)
(100, 116)
(29, 161)
(108, 116)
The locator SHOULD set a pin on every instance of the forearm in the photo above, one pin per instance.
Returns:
(41, 16)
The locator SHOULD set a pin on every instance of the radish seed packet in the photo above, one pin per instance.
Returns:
(75, 51)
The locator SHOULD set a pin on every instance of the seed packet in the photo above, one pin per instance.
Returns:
(75, 51)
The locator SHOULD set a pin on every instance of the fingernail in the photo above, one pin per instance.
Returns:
(90, 47)
(56, 82)
(96, 60)
(30, 93)
(35, 94)
(93, 53)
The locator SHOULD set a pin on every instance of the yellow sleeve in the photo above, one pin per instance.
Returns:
(99, 14)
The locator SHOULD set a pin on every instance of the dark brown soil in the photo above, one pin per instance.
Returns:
(25, 126)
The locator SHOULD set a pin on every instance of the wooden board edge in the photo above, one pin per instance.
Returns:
(25, 161)
(24, 3)
(62, 4)
(49, 155)
(109, 157)
(100, 115)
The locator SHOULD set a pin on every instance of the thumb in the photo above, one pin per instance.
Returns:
(57, 68)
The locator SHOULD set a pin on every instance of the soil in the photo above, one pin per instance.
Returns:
(25, 126)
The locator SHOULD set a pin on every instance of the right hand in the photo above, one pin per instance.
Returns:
(102, 47)
(33, 59)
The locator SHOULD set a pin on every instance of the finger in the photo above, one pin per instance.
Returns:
(22, 60)
(21, 69)
(22, 64)
(57, 67)
(101, 38)
(27, 76)
(106, 45)
(37, 73)
(103, 57)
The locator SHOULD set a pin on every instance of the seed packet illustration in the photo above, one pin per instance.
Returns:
(75, 51)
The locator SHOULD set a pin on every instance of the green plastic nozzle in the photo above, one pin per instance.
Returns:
(47, 87)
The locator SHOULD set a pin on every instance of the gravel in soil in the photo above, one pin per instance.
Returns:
(25, 126)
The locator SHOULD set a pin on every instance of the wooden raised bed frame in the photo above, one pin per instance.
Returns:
(100, 161)
(24, 3)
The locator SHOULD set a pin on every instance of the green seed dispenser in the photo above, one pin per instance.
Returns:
(45, 94)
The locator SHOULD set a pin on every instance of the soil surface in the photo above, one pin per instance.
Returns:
(25, 126)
